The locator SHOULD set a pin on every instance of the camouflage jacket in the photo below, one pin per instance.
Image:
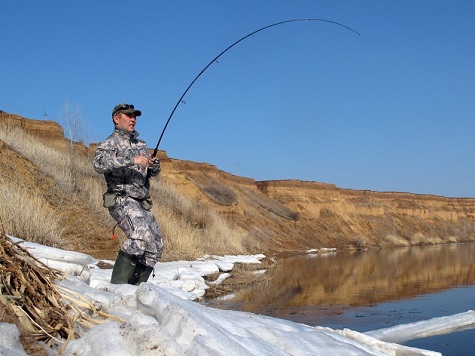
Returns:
(115, 159)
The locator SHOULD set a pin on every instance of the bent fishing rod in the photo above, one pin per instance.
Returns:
(227, 49)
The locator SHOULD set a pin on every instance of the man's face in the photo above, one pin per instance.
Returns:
(125, 121)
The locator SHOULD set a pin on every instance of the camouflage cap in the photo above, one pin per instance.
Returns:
(125, 109)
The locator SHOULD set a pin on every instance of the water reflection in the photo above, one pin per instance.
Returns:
(325, 284)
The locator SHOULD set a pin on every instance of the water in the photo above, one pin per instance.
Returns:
(449, 302)
(369, 290)
(461, 343)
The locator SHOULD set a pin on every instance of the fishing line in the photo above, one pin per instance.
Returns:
(227, 49)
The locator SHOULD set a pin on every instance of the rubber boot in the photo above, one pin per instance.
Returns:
(124, 268)
(143, 272)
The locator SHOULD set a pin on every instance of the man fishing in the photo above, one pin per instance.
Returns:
(127, 166)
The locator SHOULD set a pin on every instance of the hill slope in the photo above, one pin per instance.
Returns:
(276, 216)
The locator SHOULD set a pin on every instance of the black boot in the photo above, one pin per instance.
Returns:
(124, 269)
(142, 273)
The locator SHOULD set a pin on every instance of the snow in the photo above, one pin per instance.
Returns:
(161, 317)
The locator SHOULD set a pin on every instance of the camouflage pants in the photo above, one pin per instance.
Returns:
(144, 239)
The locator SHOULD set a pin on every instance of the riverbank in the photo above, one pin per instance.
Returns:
(156, 317)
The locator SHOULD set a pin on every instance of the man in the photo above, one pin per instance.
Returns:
(127, 166)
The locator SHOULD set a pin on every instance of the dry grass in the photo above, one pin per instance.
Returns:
(30, 300)
(191, 228)
(395, 240)
(25, 213)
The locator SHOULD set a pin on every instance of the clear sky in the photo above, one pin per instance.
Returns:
(390, 110)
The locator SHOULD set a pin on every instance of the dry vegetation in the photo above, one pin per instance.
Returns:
(52, 195)
(29, 300)
(46, 314)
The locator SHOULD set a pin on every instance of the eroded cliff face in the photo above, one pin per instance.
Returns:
(46, 130)
(362, 218)
(292, 215)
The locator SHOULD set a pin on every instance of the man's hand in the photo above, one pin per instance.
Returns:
(141, 161)
(154, 162)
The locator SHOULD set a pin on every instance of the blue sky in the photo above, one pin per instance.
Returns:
(390, 110)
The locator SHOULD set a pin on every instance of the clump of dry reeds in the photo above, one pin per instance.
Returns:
(27, 294)
(47, 315)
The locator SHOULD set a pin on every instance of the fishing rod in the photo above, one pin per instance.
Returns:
(227, 49)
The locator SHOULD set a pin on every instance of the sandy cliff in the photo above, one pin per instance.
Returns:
(292, 215)
(298, 215)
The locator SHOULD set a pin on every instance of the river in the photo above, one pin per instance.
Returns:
(369, 289)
